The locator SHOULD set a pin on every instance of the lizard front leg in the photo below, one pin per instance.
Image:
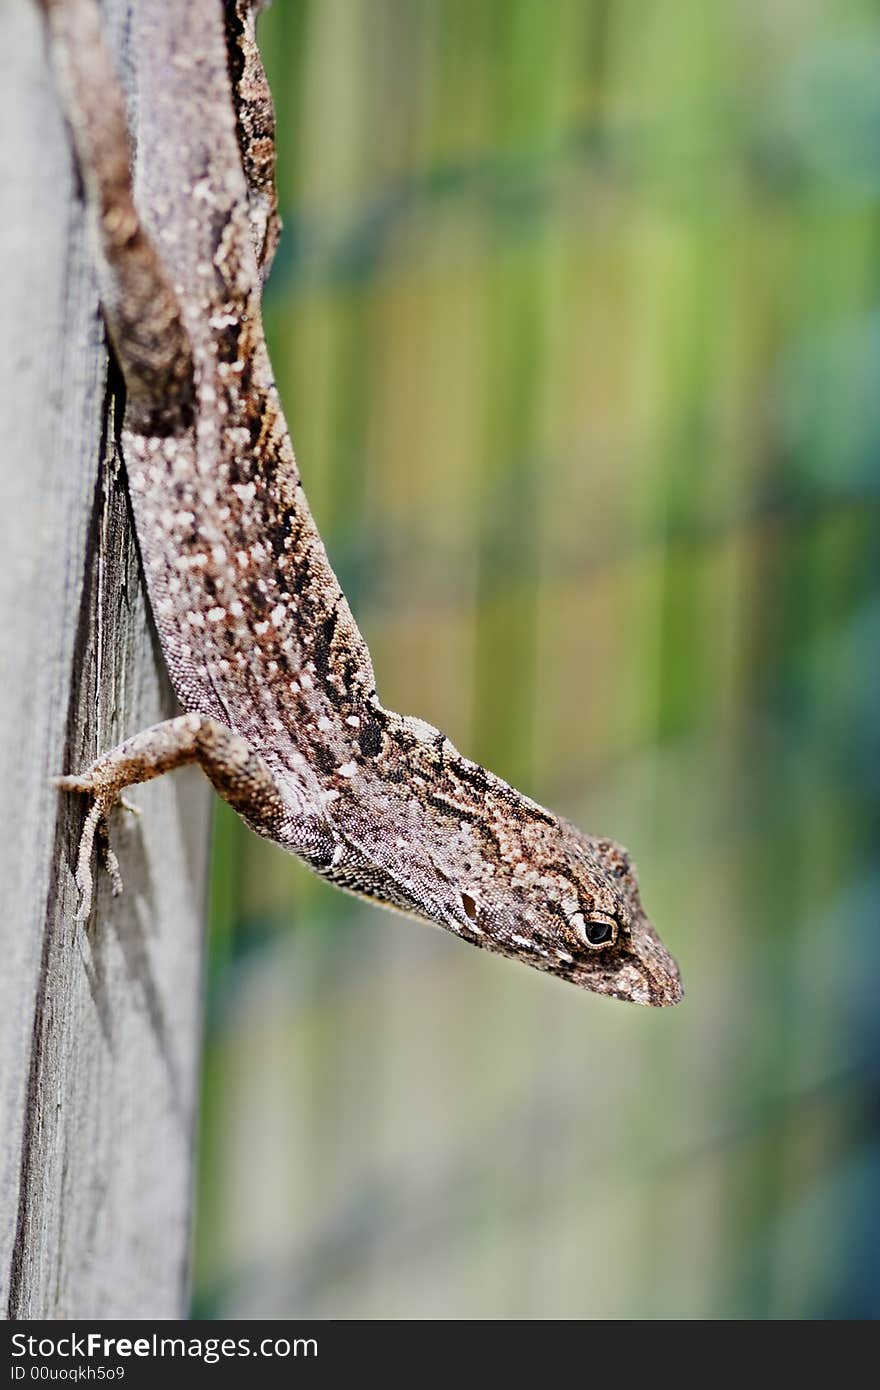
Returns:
(238, 773)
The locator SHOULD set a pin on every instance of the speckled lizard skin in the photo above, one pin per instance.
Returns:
(272, 673)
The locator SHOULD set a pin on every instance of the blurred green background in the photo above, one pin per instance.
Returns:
(576, 320)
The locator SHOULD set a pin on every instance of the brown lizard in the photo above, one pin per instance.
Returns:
(264, 654)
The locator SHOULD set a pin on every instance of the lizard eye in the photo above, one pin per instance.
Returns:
(599, 933)
(595, 931)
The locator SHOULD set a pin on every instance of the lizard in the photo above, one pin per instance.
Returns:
(279, 698)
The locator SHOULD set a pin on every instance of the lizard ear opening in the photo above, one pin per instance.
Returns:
(470, 907)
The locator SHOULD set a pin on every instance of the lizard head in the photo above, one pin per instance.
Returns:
(478, 858)
(628, 959)
(567, 904)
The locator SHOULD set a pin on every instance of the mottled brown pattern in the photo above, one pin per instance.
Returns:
(266, 658)
(255, 121)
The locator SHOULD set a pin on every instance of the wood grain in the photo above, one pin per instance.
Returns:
(99, 1025)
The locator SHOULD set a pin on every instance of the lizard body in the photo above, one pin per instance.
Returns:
(265, 656)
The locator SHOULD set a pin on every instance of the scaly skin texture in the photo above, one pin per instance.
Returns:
(267, 661)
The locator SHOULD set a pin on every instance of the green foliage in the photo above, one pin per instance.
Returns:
(576, 325)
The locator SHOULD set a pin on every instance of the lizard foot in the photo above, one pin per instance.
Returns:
(95, 830)
(237, 772)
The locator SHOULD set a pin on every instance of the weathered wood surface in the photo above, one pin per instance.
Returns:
(99, 1025)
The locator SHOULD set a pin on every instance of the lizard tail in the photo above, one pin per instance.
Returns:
(142, 311)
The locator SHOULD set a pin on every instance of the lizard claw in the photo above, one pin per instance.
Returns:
(111, 863)
(95, 829)
(95, 823)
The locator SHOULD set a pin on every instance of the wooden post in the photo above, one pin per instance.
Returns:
(99, 1023)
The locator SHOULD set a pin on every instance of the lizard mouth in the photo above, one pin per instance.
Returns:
(664, 989)
(657, 968)
(635, 983)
